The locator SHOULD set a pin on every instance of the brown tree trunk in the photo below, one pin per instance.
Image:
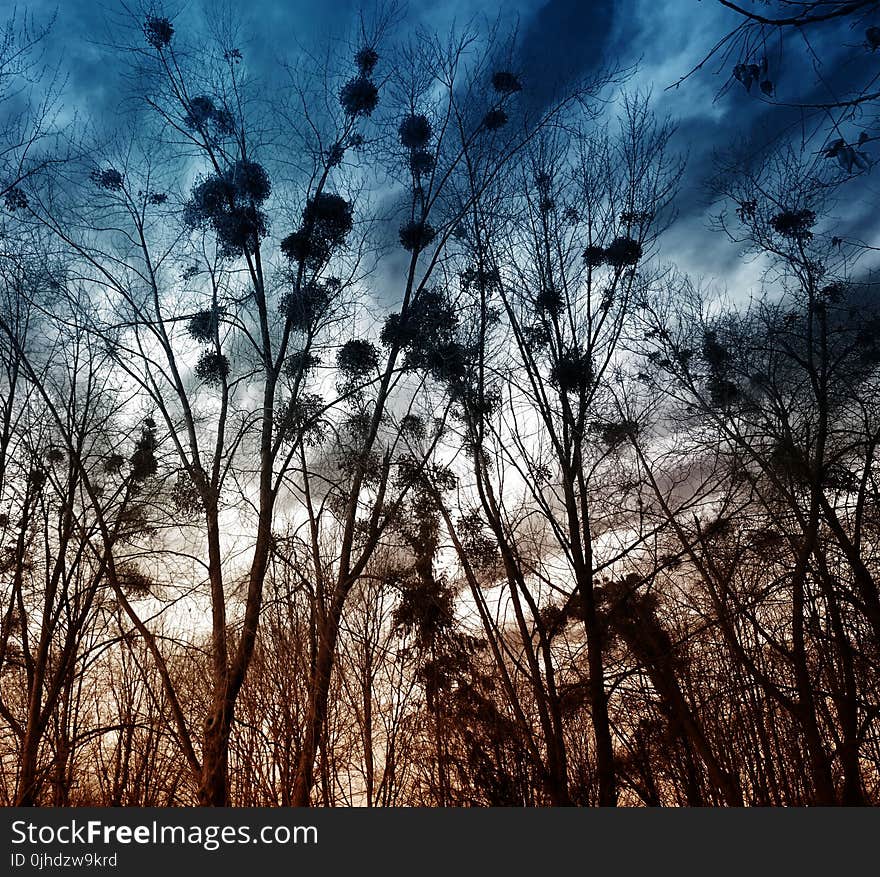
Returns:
(319, 693)
(599, 706)
(28, 786)
(214, 784)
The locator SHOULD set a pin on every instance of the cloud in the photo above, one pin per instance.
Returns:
(560, 41)
(564, 40)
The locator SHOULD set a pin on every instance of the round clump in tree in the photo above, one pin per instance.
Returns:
(615, 433)
(133, 581)
(426, 610)
(429, 333)
(300, 362)
(297, 246)
(239, 230)
(794, 224)
(301, 418)
(229, 203)
(15, 199)
(250, 180)
(109, 179)
(185, 495)
(719, 357)
(430, 317)
(329, 216)
(415, 131)
(335, 154)
(327, 220)
(636, 217)
(209, 198)
(413, 426)
(303, 307)
(572, 372)
(113, 463)
(36, 479)
(359, 96)
(716, 354)
(202, 326)
(143, 460)
(495, 119)
(415, 236)
(55, 455)
(505, 82)
(549, 299)
(203, 111)
(212, 368)
(623, 252)
(357, 358)
(158, 31)
(366, 60)
(595, 256)
(481, 278)
(421, 162)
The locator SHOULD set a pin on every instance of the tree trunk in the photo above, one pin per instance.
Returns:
(214, 784)
(319, 693)
(26, 795)
(599, 700)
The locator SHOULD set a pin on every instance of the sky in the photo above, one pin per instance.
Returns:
(559, 39)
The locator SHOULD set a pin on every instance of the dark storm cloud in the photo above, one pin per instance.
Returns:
(564, 40)
(739, 121)
(560, 39)
(719, 119)
(559, 42)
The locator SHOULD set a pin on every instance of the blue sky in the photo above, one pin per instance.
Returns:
(559, 38)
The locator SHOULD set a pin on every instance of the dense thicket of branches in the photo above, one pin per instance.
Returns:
(358, 447)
